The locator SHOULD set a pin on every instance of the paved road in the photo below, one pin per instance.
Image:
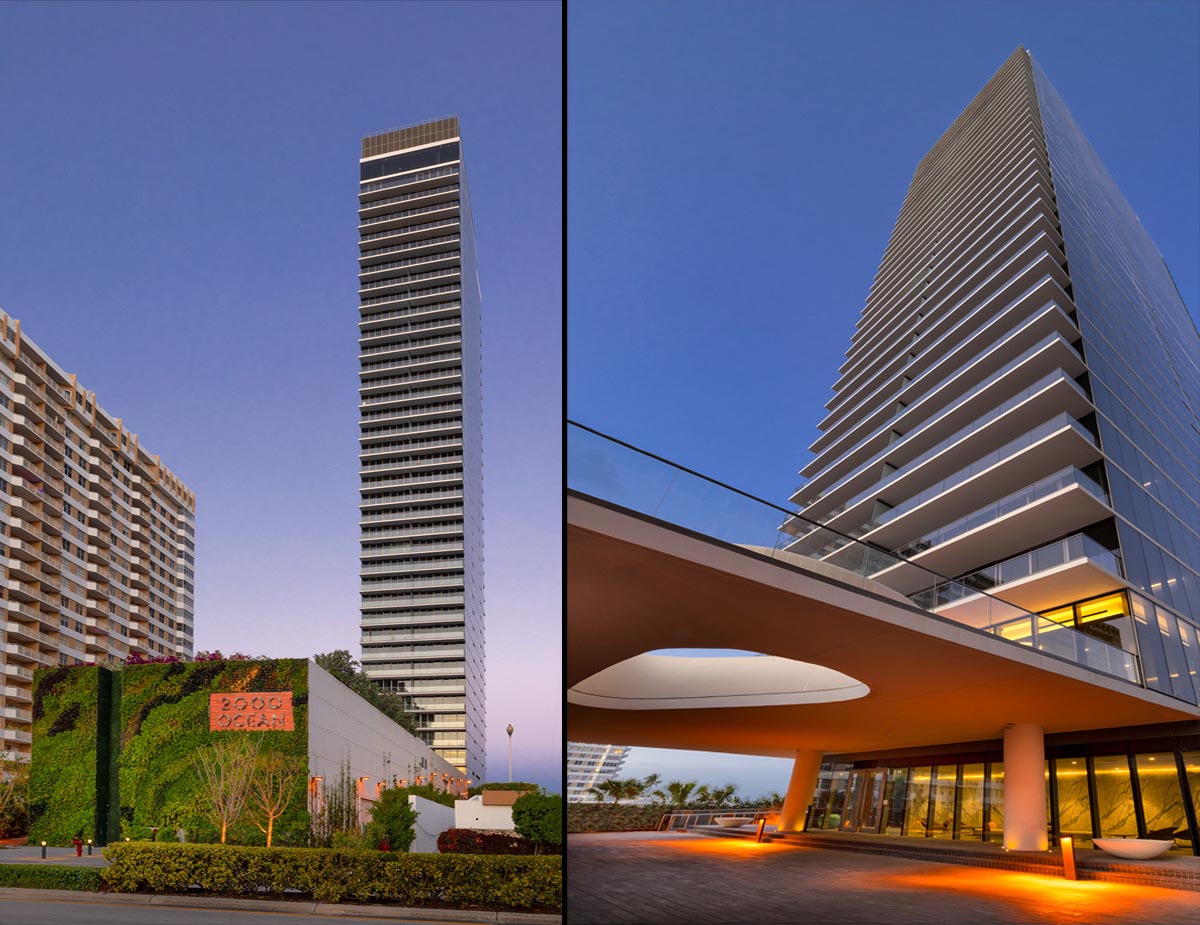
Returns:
(643, 877)
(99, 912)
(26, 854)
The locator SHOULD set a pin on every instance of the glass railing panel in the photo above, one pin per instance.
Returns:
(976, 425)
(1006, 505)
(622, 475)
(1011, 448)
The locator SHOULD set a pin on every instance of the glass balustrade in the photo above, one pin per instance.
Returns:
(610, 471)
(1043, 488)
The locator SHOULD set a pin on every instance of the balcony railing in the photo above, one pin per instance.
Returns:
(1052, 555)
(1064, 478)
(609, 470)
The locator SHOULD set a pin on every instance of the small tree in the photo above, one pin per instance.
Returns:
(14, 795)
(393, 822)
(539, 817)
(272, 790)
(225, 771)
(679, 792)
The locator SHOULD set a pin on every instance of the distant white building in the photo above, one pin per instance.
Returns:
(589, 765)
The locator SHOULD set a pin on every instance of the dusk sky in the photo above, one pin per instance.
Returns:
(734, 174)
(178, 227)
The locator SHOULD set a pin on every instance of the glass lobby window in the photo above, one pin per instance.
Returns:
(1162, 801)
(970, 802)
(896, 802)
(993, 793)
(943, 785)
(1074, 804)
(830, 799)
(1107, 619)
(1191, 762)
(1114, 797)
(916, 803)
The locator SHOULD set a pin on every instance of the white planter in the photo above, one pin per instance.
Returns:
(1138, 849)
(730, 822)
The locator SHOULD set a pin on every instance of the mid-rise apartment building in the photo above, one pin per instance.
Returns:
(99, 535)
(589, 765)
(421, 510)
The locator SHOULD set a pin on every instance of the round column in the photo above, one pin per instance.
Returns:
(801, 786)
(1024, 788)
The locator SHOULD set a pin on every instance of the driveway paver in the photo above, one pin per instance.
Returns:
(635, 877)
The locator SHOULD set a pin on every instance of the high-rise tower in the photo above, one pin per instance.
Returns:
(1020, 405)
(421, 433)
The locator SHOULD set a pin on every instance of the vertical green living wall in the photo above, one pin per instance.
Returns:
(114, 752)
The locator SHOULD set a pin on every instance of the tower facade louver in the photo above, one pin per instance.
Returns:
(1020, 405)
(421, 510)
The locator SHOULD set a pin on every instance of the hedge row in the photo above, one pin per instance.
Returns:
(479, 841)
(604, 817)
(333, 875)
(48, 877)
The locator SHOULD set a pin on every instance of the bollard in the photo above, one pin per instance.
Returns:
(43, 851)
(1068, 857)
(762, 824)
(89, 847)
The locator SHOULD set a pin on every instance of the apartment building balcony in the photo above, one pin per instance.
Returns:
(1069, 499)
(1037, 345)
(1057, 443)
(1073, 568)
(24, 654)
(31, 593)
(16, 715)
(38, 413)
(27, 553)
(18, 736)
(27, 449)
(19, 694)
(907, 471)
(950, 408)
(16, 672)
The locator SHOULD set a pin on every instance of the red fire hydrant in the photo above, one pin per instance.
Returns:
(78, 846)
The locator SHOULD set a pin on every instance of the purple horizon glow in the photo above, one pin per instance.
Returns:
(179, 231)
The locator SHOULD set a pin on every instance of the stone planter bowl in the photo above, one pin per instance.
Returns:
(730, 822)
(1135, 849)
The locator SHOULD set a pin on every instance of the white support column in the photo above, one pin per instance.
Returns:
(1024, 788)
(800, 789)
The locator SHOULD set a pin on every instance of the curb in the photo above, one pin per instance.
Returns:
(400, 913)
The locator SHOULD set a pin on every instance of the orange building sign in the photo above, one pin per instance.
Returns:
(252, 710)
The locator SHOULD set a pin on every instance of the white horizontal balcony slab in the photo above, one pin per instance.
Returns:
(923, 429)
(1064, 447)
(1059, 396)
(1070, 509)
(1063, 584)
(986, 324)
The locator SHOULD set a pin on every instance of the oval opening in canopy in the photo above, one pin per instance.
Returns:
(707, 679)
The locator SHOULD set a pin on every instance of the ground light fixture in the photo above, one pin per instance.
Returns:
(1068, 857)
(89, 847)
(43, 851)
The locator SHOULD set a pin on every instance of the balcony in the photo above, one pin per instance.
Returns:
(16, 671)
(1068, 499)
(1066, 570)
(1055, 444)
(22, 653)
(10, 692)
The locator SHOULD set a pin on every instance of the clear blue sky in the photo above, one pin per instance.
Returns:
(178, 228)
(734, 173)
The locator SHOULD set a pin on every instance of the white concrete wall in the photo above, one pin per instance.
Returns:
(432, 820)
(472, 814)
(341, 726)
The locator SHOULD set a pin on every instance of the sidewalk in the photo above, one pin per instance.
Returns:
(307, 907)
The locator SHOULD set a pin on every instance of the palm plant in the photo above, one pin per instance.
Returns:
(679, 792)
(721, 797)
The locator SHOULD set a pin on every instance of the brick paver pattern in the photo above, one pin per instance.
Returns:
(644, 877)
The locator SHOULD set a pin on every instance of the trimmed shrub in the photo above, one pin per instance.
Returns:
(501, 785)
(332, 875)
(604, 817)
(47, 877)
(480, 841)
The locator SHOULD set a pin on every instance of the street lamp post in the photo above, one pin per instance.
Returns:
(510, 732)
